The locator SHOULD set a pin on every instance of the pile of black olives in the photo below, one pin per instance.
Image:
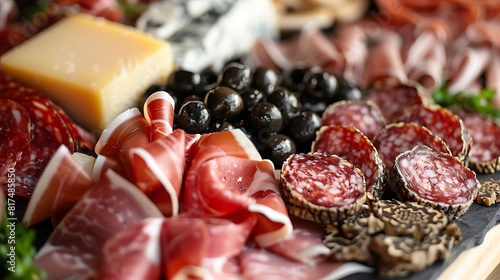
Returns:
(280, 113)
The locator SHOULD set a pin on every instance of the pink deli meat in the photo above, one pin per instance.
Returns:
(159, 112)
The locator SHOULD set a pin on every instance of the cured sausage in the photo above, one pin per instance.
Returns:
(14, 153)
(350, 144)
(396, 138)
(363, 115)
(14, 116)
(394, 99)
(434, 179)
(484, 155)
(322, 188)
(442, 122)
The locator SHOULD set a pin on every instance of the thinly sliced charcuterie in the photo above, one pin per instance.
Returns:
(484, 155)
(394, 99)
(448, 126)
(158, 170)
(74, 247)
(14, 116)
(363, 115)
(434, 179)
(159, 112)
(134, 253)
(227, 185)
(396, 138)
(350, 144)
(62, 184)
(14, 152)
(102, 164)
(322, 188)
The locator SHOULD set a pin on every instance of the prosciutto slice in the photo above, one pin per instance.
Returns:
(102, 164)
(159, 112)
(228, 184)
(134, 253)
(73, 250)
(62, 184)
(128, 130)
(158, 170)
(469, 65)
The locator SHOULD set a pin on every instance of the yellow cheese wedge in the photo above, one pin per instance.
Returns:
(93, 68)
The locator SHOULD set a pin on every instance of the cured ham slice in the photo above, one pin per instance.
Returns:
(102, 164)
(192, 244)
(62, 184)
(226, 185)
(492, 81)
(134, 253)
(73, 250)
(159, 112)
(86, 162)
(468, 66)
(158, 170)
(128, 130)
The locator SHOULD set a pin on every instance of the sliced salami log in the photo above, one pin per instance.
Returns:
(484, 155)
(442, 122)
(14, 116)
(15, 153)
(322, 188)
(62, 184)
(350, 144)
(396, 138)
(394, 99)
(363, 115)
(434, 179)
(159, 112)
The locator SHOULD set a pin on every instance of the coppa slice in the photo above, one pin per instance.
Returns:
(350, 144)
(393, 100)
(363, 115)
(484, 155)
(448, 126)
(322, 188)
(434, 179)
(396, 138)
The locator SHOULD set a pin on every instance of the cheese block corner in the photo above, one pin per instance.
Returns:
(95, 69)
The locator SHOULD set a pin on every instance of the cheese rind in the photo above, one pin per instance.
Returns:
(93, 68)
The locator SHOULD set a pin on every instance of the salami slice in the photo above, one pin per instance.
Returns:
(159, 112)
(15, 153)
(322, 188)
(396, 138)
(350, 144)
(484, 155)
(448, 126)
(434, 179)
(14, 116)
(363, 115)
(394, 99)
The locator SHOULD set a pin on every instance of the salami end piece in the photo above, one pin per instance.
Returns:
(363, 114)
(352, 145)
(434, 179)
(322, 188)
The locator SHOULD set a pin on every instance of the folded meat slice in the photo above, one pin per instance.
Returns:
(102, 164)
(62, 184)
(226, 185)
(195, 245)
(466, 68)
(134, 253)
(128, 130)
(159, 112)
(73, 250)
(492, 81)
(158, 170)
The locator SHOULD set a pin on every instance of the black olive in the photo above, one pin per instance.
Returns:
(221, 126)
(191, 98)
(208, 80)
(278, 148)
(347, 90)
(251, 97)
(185, 81)
(293, 79)
(265, 118)
(321, 85)
(194, 117)
(224, 103)
(287, 102)
(310, 103)
(236, 76)
(152, 89)
(303, 128)
(265, 79)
